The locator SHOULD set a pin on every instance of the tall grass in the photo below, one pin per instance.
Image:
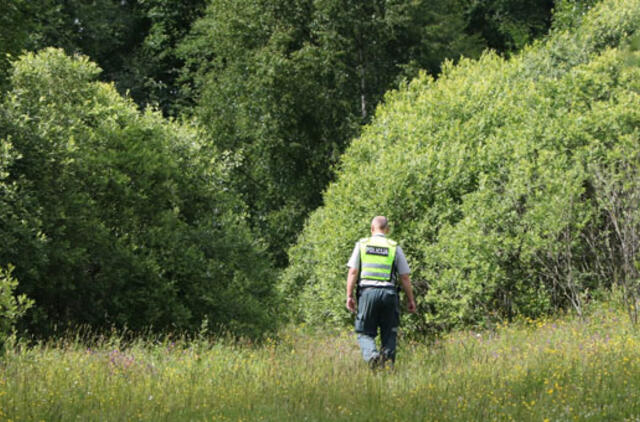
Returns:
(563, 369)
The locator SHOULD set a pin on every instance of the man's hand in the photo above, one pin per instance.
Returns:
(351, 304)
(411, 306)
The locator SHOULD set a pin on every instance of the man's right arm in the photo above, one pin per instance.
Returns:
(405, 280)
(352, 279)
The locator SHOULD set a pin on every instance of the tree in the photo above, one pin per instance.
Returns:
(509, 25)
(133, 41)
(287, 84)
(15, 26)
(151, 72)
(129, 217)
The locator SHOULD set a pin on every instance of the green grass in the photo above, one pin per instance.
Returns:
(558, 370)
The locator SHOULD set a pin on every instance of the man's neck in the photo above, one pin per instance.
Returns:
(378, 234)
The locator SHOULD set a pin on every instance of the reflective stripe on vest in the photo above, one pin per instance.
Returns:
(377, 254)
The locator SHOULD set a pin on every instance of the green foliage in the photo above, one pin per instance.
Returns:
(568, 13)
(509, 25)
(14, 30)
(286, 84)
(107, 30)
(616, 181)
(283, 84)
(486, 176)
(12, 308)
(150, 74)
(132, 41)
(121, 217)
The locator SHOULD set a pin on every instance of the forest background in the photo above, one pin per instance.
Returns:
(172, 164)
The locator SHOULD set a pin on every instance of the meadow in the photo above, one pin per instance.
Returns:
(546, 370)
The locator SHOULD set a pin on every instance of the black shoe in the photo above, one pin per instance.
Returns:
(386, 360)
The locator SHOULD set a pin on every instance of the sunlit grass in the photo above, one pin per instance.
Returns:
(553, 370)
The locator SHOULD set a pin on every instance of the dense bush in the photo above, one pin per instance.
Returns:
(120, 217)
(489, 177)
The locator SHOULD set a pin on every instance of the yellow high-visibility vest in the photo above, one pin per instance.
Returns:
(377, 255)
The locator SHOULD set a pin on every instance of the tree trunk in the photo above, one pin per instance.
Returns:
(363, 95)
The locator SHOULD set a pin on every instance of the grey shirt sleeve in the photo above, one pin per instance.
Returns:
(354, 260)
(401, 262)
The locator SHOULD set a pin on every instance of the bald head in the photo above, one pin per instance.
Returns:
(379, 224)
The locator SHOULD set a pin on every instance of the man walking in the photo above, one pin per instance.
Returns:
(375, 266)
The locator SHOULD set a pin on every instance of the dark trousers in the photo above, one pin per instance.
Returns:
(378, 308)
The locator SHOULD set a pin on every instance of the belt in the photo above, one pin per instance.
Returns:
(363, 288)
(375, 283)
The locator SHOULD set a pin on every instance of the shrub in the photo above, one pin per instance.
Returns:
(487, 177)
(11, 307)
(128, 218)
